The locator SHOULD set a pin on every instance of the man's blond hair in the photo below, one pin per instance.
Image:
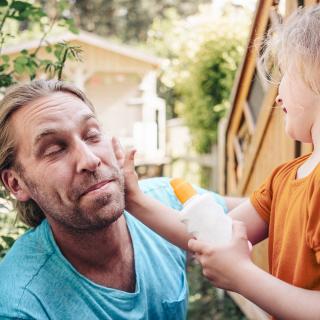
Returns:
(296, 43)
(16, 98)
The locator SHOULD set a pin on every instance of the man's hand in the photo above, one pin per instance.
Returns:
(126, 164)
(224, 265)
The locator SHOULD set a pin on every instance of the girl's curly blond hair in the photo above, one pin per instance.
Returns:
(295, 44)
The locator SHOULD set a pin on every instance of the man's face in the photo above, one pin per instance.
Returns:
(67, 165)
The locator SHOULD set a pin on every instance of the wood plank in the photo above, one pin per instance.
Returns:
(310, 2)
(306, 148)
(252, 152)
(249, 118)
(231, 166)
(238, 151)
(222, 174)
(240, 94)
(251, 311)
(244, 84)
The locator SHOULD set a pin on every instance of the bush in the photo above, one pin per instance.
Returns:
(206, 302)
(203, 54)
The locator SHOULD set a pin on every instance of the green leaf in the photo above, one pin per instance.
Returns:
(6, 80)
(74, 29)
(8, 240)
(63, 5)
(3, 3)
(21, 59)
(20, 5)
(5, 58)
(19, 68)
(57, 52)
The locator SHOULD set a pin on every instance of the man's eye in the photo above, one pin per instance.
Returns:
(52, 150)
(93, 135)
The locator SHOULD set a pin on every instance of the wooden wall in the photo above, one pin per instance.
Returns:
(253, 141)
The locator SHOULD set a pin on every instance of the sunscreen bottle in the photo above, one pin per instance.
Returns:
(204, 218)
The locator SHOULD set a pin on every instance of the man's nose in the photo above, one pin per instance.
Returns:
(86, 158)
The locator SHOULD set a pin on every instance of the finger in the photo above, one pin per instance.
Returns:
(128, 164)
(118, 150)
(239, 230)
(197, 246)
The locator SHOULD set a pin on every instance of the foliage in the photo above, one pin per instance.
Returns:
(127, 20)
(203, 54)
(205, 89)
(18, 16)
(9, 230)
(206, 302)
(19, 19)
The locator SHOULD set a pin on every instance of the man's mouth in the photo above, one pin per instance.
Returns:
(284, 109)
(97, 186)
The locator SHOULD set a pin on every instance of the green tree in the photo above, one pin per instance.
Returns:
(127, 20)
(203, 54)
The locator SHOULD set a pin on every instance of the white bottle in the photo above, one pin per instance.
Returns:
(204, 218)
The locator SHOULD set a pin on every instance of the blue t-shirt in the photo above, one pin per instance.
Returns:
(37, 282)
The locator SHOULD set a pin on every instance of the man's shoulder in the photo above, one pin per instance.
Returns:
(19, 268)
(160, 189)
(150, 184)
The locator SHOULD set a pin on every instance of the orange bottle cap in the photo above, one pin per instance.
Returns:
(183, 190)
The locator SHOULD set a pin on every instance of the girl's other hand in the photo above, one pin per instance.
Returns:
(224, 265)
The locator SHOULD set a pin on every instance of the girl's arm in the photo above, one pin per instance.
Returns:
(164, 220)
(230, 267)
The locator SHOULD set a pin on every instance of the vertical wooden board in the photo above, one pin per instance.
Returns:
(275, 149)
(222, 156)
(306, 148)
(291, 5)
(310, 2)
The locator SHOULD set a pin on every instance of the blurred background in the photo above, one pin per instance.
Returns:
(177, 80)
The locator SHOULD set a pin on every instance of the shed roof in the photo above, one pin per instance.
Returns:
(91, 39)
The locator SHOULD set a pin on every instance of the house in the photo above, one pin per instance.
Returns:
(253, 141)
(121, 83)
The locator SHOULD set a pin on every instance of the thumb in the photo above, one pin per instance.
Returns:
(197, 246)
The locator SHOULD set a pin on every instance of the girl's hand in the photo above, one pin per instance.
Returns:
(224, 265)
(126, 164)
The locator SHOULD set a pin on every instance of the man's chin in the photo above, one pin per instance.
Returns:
(98, 222)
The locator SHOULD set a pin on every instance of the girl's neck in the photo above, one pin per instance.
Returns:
(308, 166)
(315, 136)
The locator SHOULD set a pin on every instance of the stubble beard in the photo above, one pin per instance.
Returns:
(100, 214)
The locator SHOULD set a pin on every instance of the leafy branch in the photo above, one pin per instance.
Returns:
(28, 63)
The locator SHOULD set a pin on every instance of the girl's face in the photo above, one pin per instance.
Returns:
(301, 106)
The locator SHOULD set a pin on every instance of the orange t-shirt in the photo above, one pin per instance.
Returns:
(291, 207)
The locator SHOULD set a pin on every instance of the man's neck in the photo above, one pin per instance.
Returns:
(99, 254)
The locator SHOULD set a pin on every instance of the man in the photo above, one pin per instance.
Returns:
(85, 257)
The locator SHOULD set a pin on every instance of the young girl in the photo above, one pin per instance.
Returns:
(286, 208)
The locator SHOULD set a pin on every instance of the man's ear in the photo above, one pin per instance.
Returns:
(15, 185)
